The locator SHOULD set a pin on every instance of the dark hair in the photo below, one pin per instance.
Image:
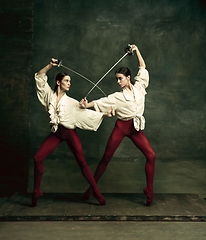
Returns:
(59, 77)
(126, 72)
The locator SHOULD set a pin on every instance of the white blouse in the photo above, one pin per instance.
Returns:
(125, 106)
(68, 111)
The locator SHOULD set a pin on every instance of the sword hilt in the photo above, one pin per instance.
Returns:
(128, 49)
(59, 62)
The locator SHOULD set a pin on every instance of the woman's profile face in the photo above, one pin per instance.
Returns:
(122, 80)
(65, 83)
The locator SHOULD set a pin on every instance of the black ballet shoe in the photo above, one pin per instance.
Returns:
(87, 194)
(100, 198)
(149, 194)
(35, 197)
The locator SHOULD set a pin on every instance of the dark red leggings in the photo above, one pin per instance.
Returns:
(126, 129)
(50, 143)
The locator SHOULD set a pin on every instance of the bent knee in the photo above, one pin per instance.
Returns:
(151, 156)
(38, 158)
(82, 164)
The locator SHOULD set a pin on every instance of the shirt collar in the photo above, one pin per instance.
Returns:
(127, 96)
(53, 101)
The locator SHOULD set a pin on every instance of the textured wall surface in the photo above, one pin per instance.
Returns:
(15, 91)
(90, 36)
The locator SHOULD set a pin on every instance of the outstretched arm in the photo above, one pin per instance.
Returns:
(139, 56)
(84, 104)
(49, 66)
(110, 113)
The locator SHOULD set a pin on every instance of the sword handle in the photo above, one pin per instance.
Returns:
(128, 49)
(57, 61)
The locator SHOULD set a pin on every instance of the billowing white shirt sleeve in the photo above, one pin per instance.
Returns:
(42, 88)
(142, 77)
(87, 119)
(104, 104)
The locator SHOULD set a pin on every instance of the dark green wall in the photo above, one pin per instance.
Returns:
(15, 92)
(90, 36)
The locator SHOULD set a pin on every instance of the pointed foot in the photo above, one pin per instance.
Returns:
(149, 193)
(35, 197)
(100, 198)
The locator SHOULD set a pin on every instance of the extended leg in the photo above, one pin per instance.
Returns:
(143, 144)
(113, 143)
(49, 144)
(74, 143)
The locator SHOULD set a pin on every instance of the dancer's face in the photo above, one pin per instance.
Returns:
(122, 80)
(65, 83)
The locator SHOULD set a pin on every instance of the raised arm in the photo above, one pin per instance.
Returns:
(139, 56)
(49, 66)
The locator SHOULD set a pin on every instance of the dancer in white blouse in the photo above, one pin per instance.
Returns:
(65, 115)
(129, 107)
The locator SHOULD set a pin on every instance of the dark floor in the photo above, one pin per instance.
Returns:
(102, 230)
(121, 207)
(125, 216)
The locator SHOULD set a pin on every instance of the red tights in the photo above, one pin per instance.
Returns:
(126, 129)
(49, 144)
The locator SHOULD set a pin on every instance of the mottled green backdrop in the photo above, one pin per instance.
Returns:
(90, 36)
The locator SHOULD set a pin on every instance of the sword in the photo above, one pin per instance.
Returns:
(59, 62)
(128, 50)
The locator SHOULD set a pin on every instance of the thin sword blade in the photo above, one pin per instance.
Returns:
(106, 74)
(84, 78)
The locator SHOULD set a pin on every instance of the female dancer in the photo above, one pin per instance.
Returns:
(129, 107)
(65, 115)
